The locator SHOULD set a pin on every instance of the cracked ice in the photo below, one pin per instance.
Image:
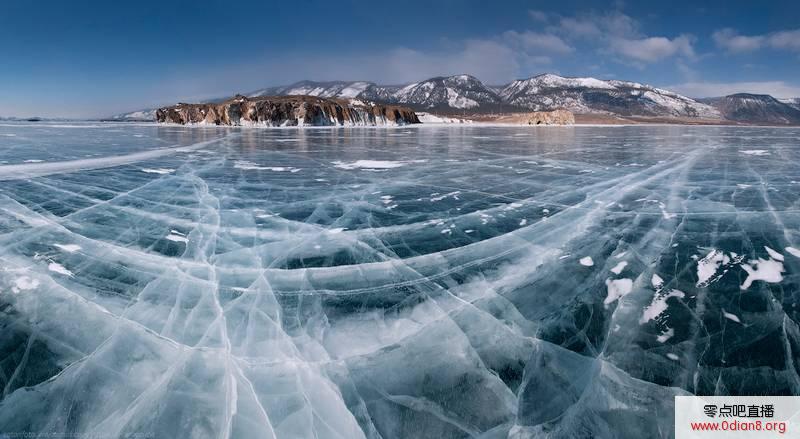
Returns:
(441, 282)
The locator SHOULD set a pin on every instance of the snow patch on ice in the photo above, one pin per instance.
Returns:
(619, 267)
(69, 248)
(756, 152)
(58, 268)
(250, 166)
(369, 164)
(453, 194)
(773, 254)
(656, 281)
(158, 170)
(24, 283)
(730, 316)
(177, 238)
(666, 335)
(761, 269)
(659, 305)
(617, 289)
(707, 267)
(714, 265)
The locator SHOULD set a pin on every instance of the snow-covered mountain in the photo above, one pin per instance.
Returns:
(752, 108)
(590, 95)
(442, 93)
(330, 89)
(792, 102)
(543, 92)
(451, 92)
(148, 115)
(465, 93)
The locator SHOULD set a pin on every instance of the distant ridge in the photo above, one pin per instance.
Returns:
(754, 108)
(147, 115)
(792, 102)
(461, 93)
(591, 95)
(465, 94)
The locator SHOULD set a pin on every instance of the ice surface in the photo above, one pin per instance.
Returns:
(369, 164)
(446, 282)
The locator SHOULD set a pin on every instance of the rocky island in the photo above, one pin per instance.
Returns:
(554, 117)
(275, 111)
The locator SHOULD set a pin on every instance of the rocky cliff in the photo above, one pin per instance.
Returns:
(555, 117)
(288, 111)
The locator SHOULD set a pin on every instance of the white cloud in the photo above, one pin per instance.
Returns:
(536, 42)
(604, 26)
(778, 89)
(652, 49)
(730, 40)
(582, 28)
(618, 33)
(538, 15)
(621, 25)
(789, 39)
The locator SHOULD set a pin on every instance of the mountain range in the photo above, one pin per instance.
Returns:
(753, 108)
(792, 102)
(465, 94)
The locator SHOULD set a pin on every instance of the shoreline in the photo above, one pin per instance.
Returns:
(627, 123)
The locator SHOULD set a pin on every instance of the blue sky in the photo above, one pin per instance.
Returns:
(95, 58)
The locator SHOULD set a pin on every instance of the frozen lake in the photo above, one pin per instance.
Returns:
(440, 282)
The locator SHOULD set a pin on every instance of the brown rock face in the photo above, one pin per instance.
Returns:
(288, 111)
(555, 117)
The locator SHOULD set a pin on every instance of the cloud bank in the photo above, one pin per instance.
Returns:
(730, 40)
